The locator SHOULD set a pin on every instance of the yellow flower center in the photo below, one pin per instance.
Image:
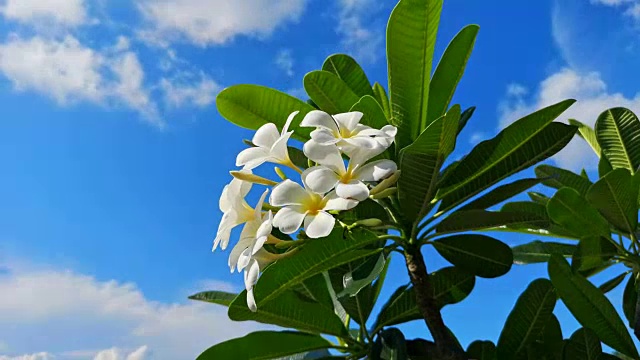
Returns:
(313, 204)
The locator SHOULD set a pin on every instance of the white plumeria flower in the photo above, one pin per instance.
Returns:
(348, 181)
(253, 236)
(271, 146)
(345, 131)
(258, 261)
(235, 210)
(302, 205)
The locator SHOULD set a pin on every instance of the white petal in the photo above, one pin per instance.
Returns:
(266, 226)
(233, 194)
(317, 118)
(348, 120)
(285, 128)
(288, 193)
(364, 130)
(327, 155)
(355, 189)
(237, 250)
(279, 150)
(334, 202)
(389, 130)
(266, 135)
(320, 179)
(252, 157)
(251, 301)
(360, 151)
(376, 170)
(257, 213)
(320, 225)
(251, 274)
(288, 219)
(222, 238)
(244, 259)
(324, 137)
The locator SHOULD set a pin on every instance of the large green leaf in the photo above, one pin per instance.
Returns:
(588, 134)
(551, 339)
(251, 106)
(593, 252)
(449, 71)
(482, 350)
(584, 345)
(380, 95)
(590, 306)
(618, 133)
(520, 145)
(477, 219)
(528, 318)
(373, 114)
(349, 71)
(317, 256)
(558, 178)
(411, 39)
(480, 255)
(500, 194)
(390, 345)
(571, 211)
(290, 310)
(421, 161)
(616, 197)
(265, 345)
(464, 118)
(214, 297)
(539, 251)
(330, 93)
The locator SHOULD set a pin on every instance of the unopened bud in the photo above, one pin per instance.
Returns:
(386, 183)
(385, 193)
(368, 223)
(280, 173)
(252, 178)
(248, 142)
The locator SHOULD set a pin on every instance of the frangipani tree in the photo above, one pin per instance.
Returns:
(371, 181)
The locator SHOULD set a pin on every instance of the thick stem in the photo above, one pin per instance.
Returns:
(446, 344)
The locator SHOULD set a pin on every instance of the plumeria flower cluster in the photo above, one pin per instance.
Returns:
(341, 174)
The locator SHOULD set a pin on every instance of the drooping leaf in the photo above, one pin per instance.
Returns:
(593, 252)
(539, 251)
(616, 197)
(571, 211)
(558, 178)
(390, 345)
(629, 300)
(373, 113)
(464, 118)
(584, 345)
(618, 133)
(421, 161)
(612, 283)
(520, 145)
(251, 106)
(480, 255)
(590, 306)
(500, 194)
(588, 134)
(469, 220)
(349, 71)
(265, 345)
(330, 93)
(449, 71)
(482, 350)
(214, 297)
(359, 277)
(528, 318)
(381, 96)
(411, 39)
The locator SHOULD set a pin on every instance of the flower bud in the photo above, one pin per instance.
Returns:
(280, 173)
(386, 183)
(385, 193)
(252, 178)
(368, 223)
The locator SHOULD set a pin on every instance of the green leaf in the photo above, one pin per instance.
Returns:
(588, 134)
(330, 93)
(251, 106)
(367, 209)
(551, 339)
(500, 194)
(558, 178)
(528, 318)
(449, 71)
(420, 164)
(349, 71)
(593, 252)
(520, 145)
(584, 345)
(604, 166)
(411, 39)
(381, 96)
(464, 118)
(290, 310)
(539, 251)
(616, 198)
(480, 255)
(629, 301)
(363, 275)
(373, 113)
(482, 350)
(313, 258)
(469, 220)
(590, 306)
(571, 211)
(612, 283)
(265, 345)
(214, 297)
(618, 132)
(538, 197)
(390, 345)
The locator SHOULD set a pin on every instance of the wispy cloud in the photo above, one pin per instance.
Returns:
(65, 12)
(284, 61)
(361, 40)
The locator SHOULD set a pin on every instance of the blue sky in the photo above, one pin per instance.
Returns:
(113, 155)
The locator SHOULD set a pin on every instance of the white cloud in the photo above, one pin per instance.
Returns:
(65, 12)
(129, 86)
(284, 60)
(364, 43)
(183, 92)
(205, 22)
(86, 318)
(593, 98)
(611, 2)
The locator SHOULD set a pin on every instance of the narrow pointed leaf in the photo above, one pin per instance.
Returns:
(464, 118)
(349, 71)
(590, 306)
(593, 252)
(214, 297)
(500, 194)
(630, 300)
(251, 106)
(584, 345)
(538, 197)
(411, 39)
(612, 283)
(558, 178)
(528, 318)
(330, 93)
(588, 134)
(618, 133)
(263, 345)
(571, 211)
(539, 251)
(482, 350)
(480, 255)
(520, 145)
(449, 71)
(373, 113)
(616, 198)
(469, 220)
(380, 95)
